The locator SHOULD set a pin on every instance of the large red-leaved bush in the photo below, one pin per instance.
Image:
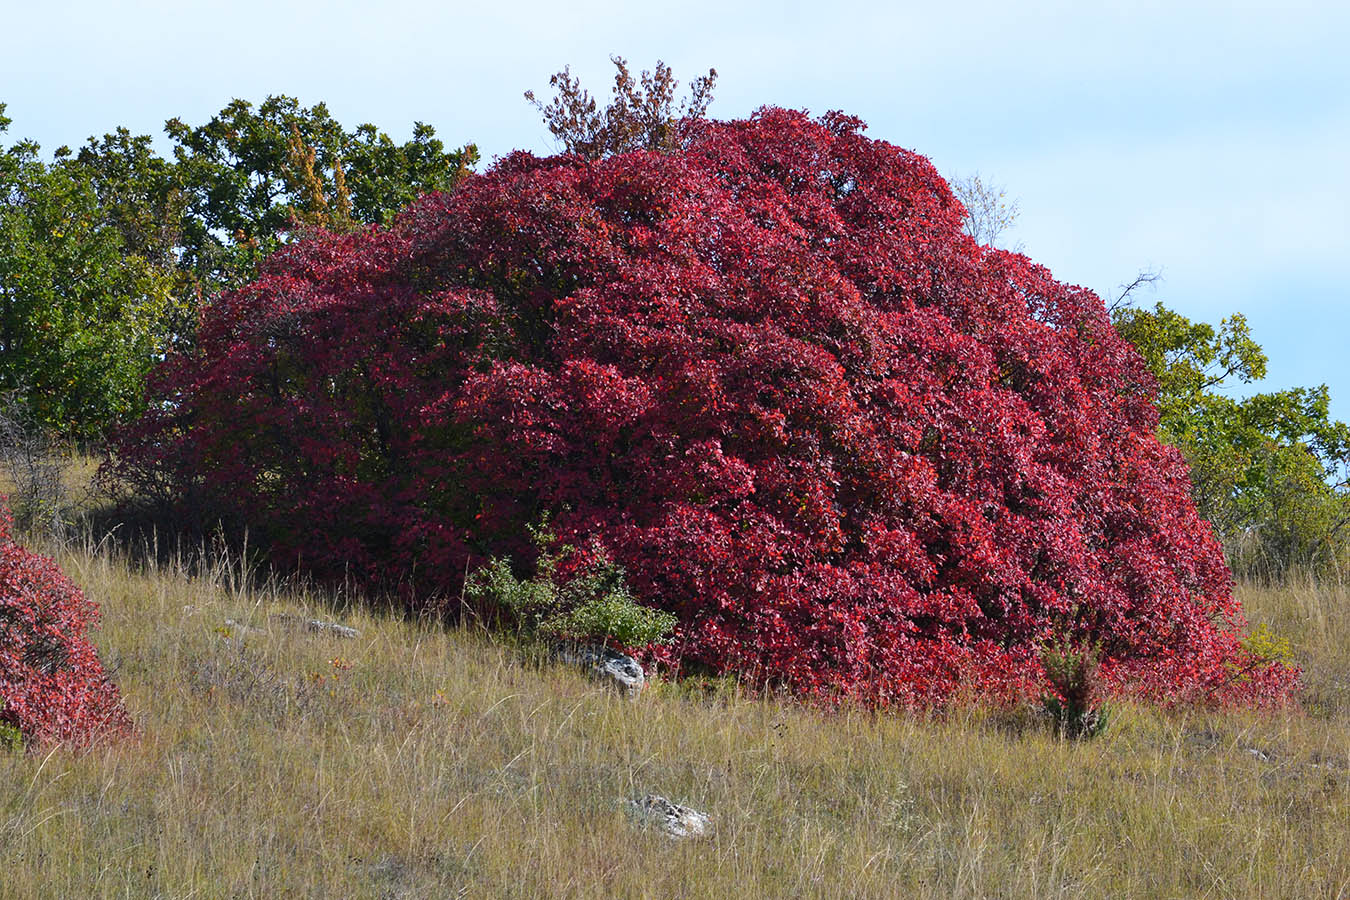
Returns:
(853, 451)
(52, 685)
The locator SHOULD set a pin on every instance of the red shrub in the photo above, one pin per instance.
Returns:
(52, 685)
(855, 452)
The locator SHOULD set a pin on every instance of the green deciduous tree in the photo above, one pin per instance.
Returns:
(255, 177)
(1270, 471)
(82, 312)
(107, 254)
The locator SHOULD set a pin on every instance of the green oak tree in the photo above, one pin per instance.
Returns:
(255, 177)
(107, 254)
(1271, 470)
(81, 312)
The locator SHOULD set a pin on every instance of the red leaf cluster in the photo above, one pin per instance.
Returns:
(855, 452)
(52, 685)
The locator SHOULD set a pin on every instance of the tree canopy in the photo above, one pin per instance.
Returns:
(850, 449)
(1271, 470)
(82, 312)
(255, 177)
(107, 253)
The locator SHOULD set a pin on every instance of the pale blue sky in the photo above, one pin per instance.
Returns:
(1211, 140)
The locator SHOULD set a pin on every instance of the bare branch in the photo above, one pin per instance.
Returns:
(1146, 278)
(988, 212)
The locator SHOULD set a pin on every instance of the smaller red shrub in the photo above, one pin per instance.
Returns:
(52, 685)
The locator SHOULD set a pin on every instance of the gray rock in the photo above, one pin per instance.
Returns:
(616, 669)
(293, 621)
(678, 822)
(288, 620)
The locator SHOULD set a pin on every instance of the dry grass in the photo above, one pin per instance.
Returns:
(420, 762)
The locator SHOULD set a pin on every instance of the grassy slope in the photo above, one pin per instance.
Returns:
(440, 764)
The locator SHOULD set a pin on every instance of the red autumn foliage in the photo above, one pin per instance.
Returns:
(855, 452)
(52, 685)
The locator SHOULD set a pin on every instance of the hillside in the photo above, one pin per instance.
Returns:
(421, 762)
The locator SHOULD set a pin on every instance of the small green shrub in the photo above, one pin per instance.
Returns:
(1076, 706)
(1265, 645)
(11, 739)
(594, 603)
